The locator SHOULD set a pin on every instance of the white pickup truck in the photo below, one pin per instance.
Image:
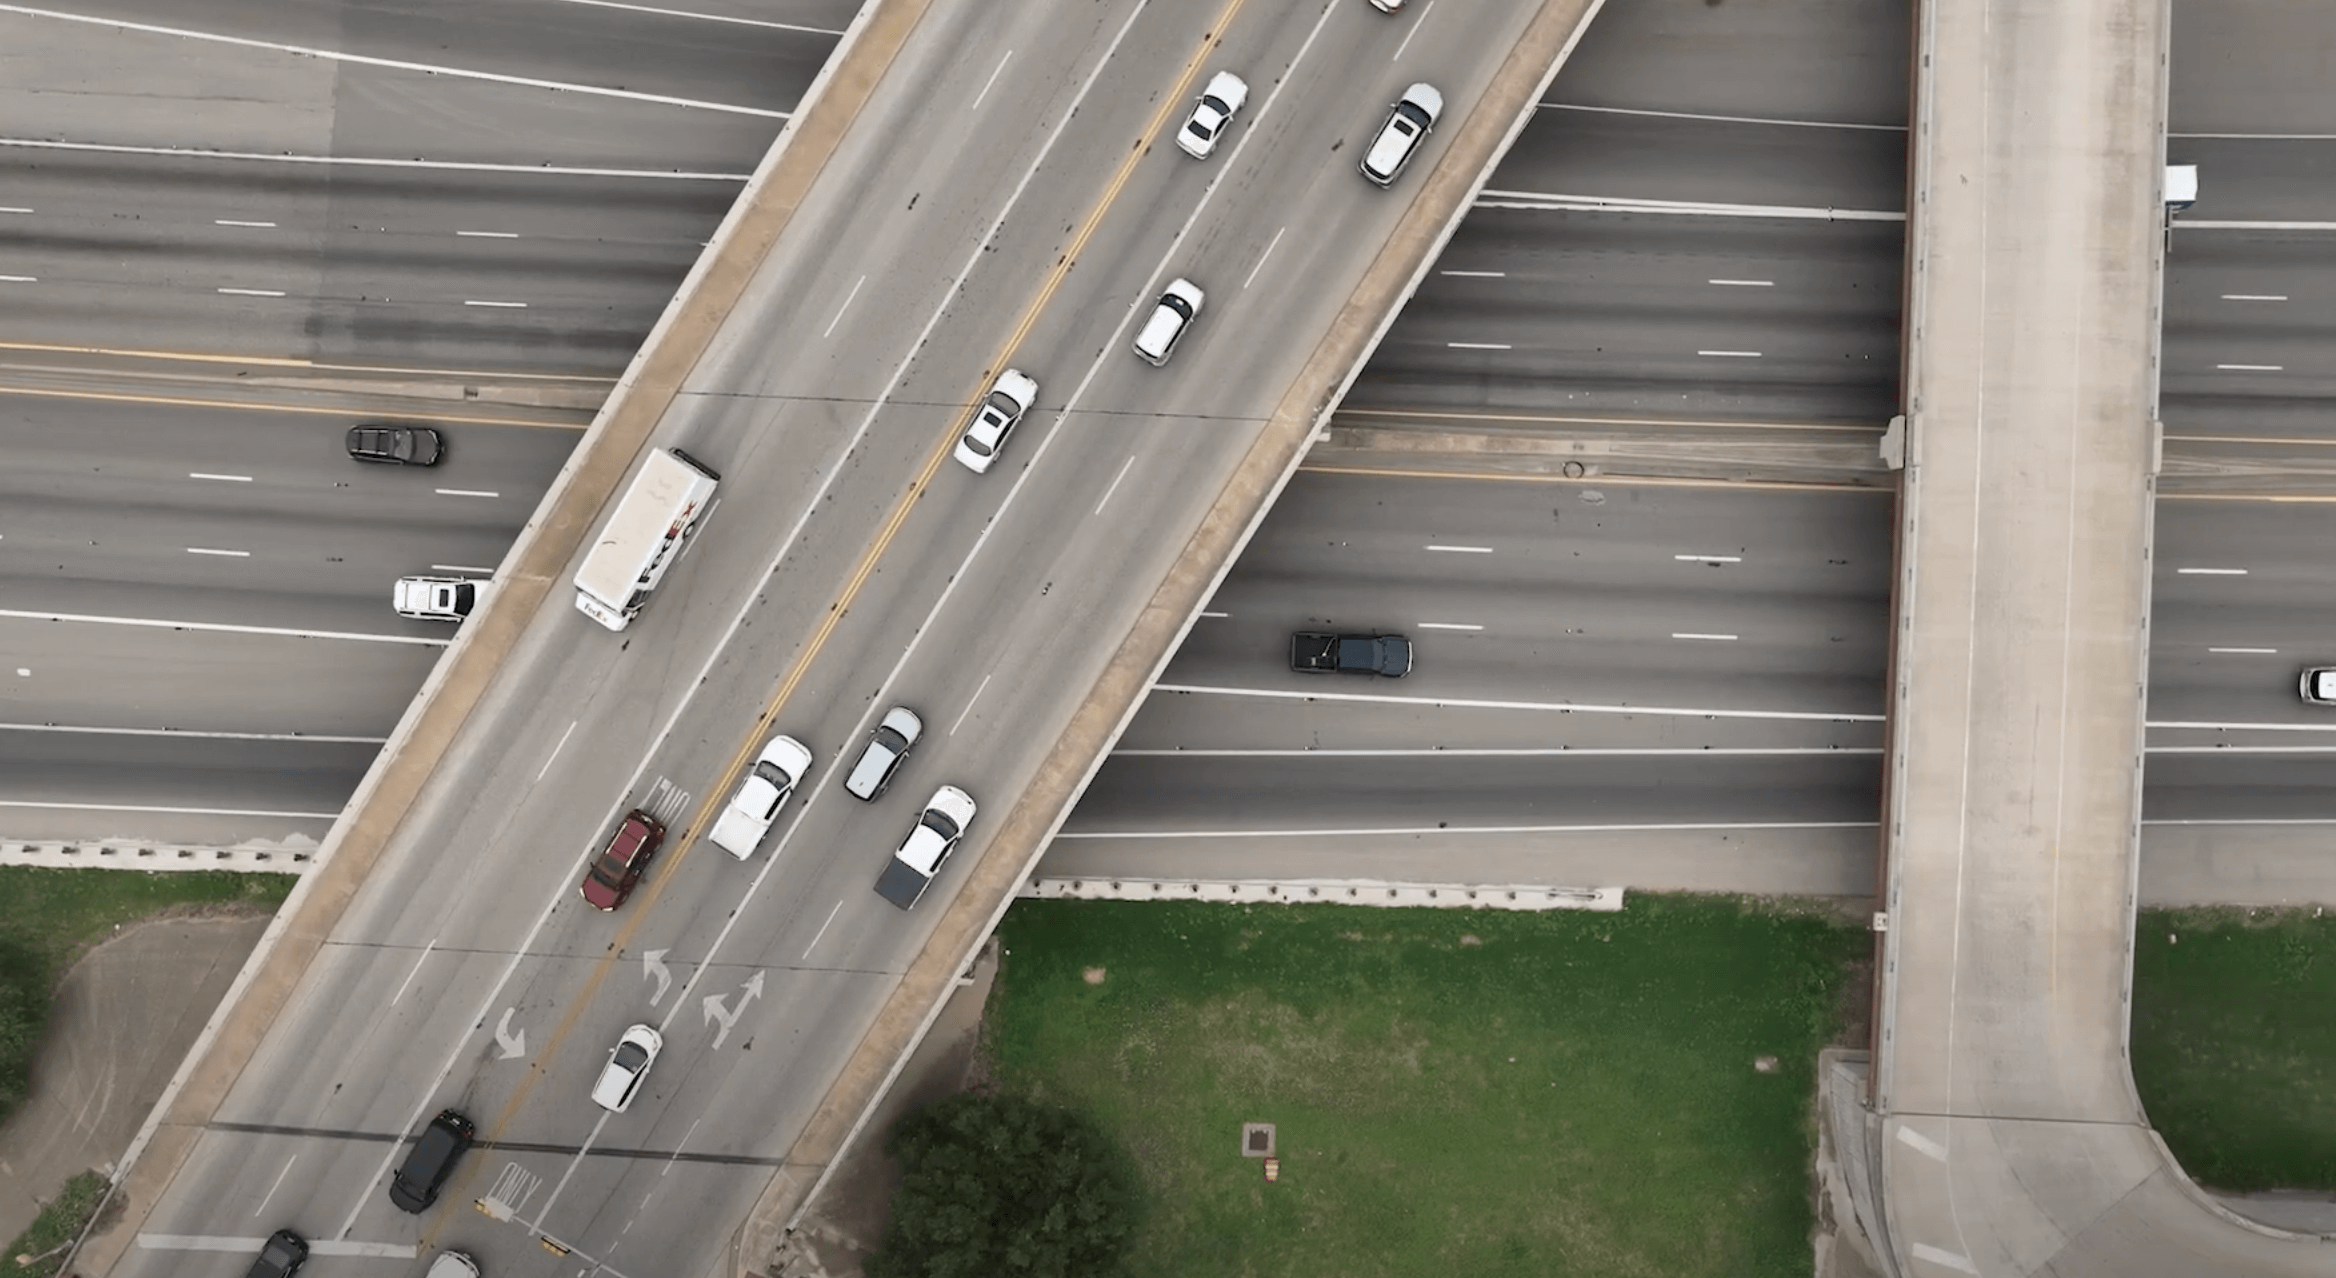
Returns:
(742, 825)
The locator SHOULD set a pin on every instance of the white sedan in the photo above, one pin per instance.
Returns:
(1218, 104)
(627, 1068)
(1010, 397)
(742, 825)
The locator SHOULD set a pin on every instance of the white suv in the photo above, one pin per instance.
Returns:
(1170, 316)
(1409, 122)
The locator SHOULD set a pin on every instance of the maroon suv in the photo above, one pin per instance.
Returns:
(618, 867)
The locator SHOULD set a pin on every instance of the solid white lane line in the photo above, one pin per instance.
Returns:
(509, 306)
(1525, 752)
(839, 311)
(224, 221)
(2254, 297)
(2247, 652)
(1608, 828)
(1415, 23)
(1731, 354)
(1277, 239)
(1745, 283)
(969, 702)
(253, 292)
(1554, 202)
(480, 492)
(1562, 707)
(2172, 724)
(2250, 368)
(13, 209)
(2329, 748)
(995, 72)
(191, 734)
(1476, 275)
(2211, 572)
(1692, 635)
(164, 624)
(20, 279)
(463, 166)
(231, 554)
(821, 932)
(1447, 625)
(159, 810)
(480, 572)
(487, 235)
(1215, 614)
(1464, 550)
(1114, 485)
(391, 64)
(1722, 119)
(547, 759)
(413, 971)
(1478, 346)
(707, 17)
(2204, 224)
(1710, 559)
(233, 479)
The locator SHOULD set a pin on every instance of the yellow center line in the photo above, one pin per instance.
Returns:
(646, 897)
(309, 410)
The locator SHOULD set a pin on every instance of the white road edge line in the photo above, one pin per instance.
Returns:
(364, 162)
(1447, 625)
(1463, 550)
(1504, 752)
(391, 64)
(2211, 572)
(1562, 707)
(1605, 828)
(156, 623)
(233, 479)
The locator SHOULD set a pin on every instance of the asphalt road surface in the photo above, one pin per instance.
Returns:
(918, 266)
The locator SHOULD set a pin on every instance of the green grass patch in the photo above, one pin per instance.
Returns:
(1455, 1092)
(47, 917)
(42, 1247)
(2234, 1046)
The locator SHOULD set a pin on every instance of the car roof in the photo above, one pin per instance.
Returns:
(791, 755)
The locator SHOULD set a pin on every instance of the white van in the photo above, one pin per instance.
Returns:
(1170, 316)
(641, 540)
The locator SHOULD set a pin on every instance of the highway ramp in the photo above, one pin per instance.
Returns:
(2010, 1140)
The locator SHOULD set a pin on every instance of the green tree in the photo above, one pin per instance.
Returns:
(1001, 1186)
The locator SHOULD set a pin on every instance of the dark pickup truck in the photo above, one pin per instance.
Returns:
(1316, 653)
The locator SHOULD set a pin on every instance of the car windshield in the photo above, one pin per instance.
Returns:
(770, 773)
(630, 1057)
(279, 1251)
(1215, 103)
(1003, 404)
(609, 870)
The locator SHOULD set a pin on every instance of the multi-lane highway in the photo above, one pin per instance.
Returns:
(849, 565)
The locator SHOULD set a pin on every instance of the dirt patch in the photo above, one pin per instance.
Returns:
(1093, 976)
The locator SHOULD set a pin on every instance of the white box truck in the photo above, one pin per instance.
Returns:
(648, 531)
